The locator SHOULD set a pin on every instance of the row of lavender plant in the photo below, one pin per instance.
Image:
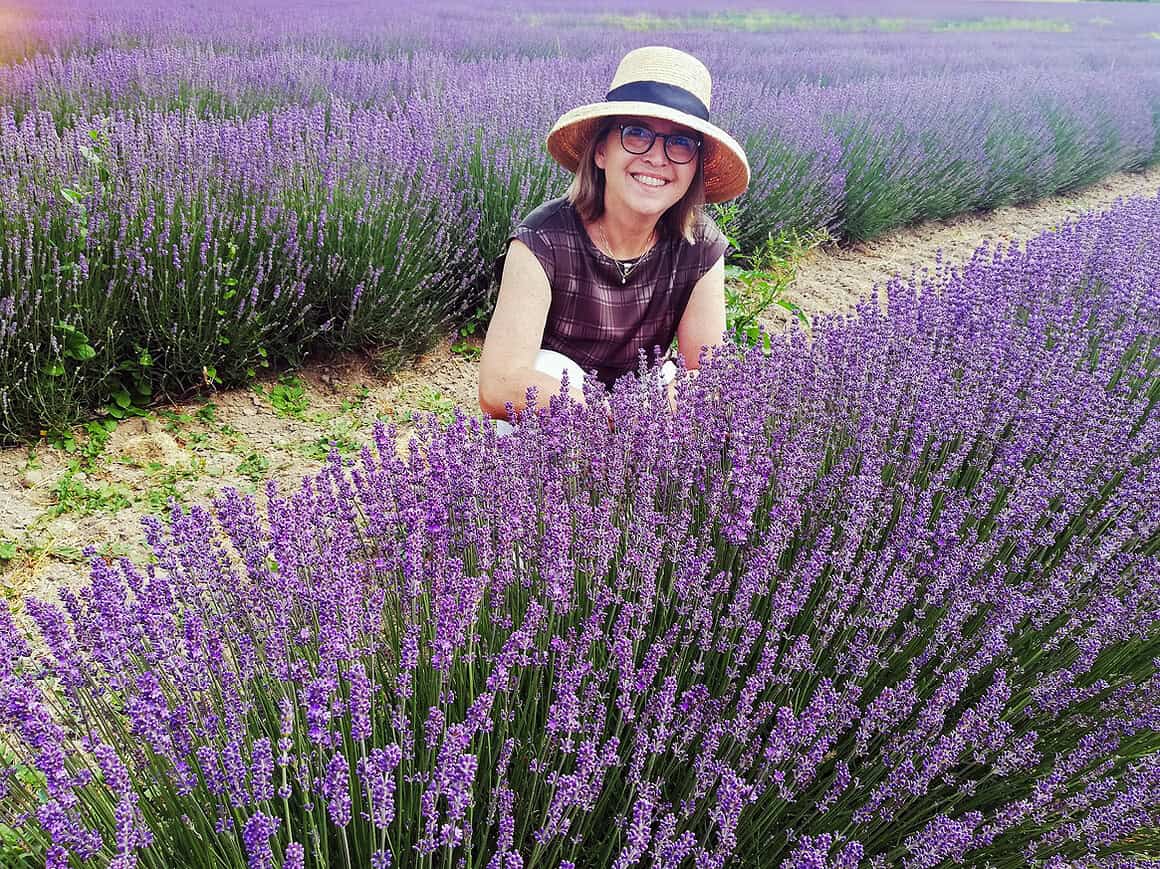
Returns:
(155, 254)
(100, 199)
(886, 598)
(847, 154)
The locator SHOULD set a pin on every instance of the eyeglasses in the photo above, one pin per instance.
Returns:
(638, 139)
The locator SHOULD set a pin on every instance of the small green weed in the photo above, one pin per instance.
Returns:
(341, 437)
(362, 393)
(16, 552)
(475, 323)
(430, 400)
(163, 480)
(134, 389)
(177, 423)
(467, 350)
(174, 421)
(254, 467)
(288, 397)
(319, 448)
(90, 446)
(762, 279)
(73, 494)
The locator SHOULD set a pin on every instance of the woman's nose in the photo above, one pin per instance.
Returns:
(657, 150)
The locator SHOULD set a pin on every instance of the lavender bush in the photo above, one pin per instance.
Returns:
(159, 253)
(889, 598)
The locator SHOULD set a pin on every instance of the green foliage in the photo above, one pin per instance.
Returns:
(74, 494)
(360, 397)
(132, 386)
(430, 400)
(321, 447)
(254, 467)
(90, 447)
(19, 850)
(74, 347)
(477, 322)
(756, 282)
(288, 397)
(163, 480)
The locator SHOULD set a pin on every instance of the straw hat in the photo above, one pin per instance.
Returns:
(658, 82)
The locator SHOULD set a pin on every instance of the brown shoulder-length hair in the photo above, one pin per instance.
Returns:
(586, 192)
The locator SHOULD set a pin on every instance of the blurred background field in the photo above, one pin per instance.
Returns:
(196, 194)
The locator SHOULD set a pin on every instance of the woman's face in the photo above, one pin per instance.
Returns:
(630, 180)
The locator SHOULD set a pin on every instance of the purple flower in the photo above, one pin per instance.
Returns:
(262, 769)
(335, 789)
(295, 857)
(256, 835)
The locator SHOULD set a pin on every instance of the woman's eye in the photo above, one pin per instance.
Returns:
(683, 142)
(641, 132)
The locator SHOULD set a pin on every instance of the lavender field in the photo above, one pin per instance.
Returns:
(882, 594)
(871, 601)
(193, 196)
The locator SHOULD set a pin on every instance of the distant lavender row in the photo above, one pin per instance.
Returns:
(549, 28)
(868, 150)
(872, 600)
(210, 75)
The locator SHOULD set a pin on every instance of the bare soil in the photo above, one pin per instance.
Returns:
(54, 503)
(835, 277)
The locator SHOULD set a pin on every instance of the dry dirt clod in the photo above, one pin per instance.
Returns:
(157, 447)
(36, 478)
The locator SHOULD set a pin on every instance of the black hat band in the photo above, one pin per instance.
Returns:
(663, 94)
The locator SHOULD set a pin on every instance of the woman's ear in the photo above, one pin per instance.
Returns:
(599, 155)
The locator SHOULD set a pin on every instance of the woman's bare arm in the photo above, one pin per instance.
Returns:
(702, 324)
(514, 336)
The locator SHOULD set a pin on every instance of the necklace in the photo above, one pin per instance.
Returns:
(625, 267)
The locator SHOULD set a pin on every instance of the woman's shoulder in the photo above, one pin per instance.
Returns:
(707, 239)
(706, 230)
(555, 214)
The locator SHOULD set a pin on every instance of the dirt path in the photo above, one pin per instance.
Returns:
(833, 278)
(56, 500)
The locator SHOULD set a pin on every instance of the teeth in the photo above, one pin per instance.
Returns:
(651, 182)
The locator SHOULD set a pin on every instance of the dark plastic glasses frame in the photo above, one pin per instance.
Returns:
(654, 136)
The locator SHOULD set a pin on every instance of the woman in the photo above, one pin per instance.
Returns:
(628, 258)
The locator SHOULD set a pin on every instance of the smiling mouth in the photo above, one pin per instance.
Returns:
(649, 182)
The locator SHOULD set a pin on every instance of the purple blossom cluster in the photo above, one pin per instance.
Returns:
(888, 597)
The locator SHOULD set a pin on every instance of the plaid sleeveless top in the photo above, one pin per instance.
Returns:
(595, 319)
